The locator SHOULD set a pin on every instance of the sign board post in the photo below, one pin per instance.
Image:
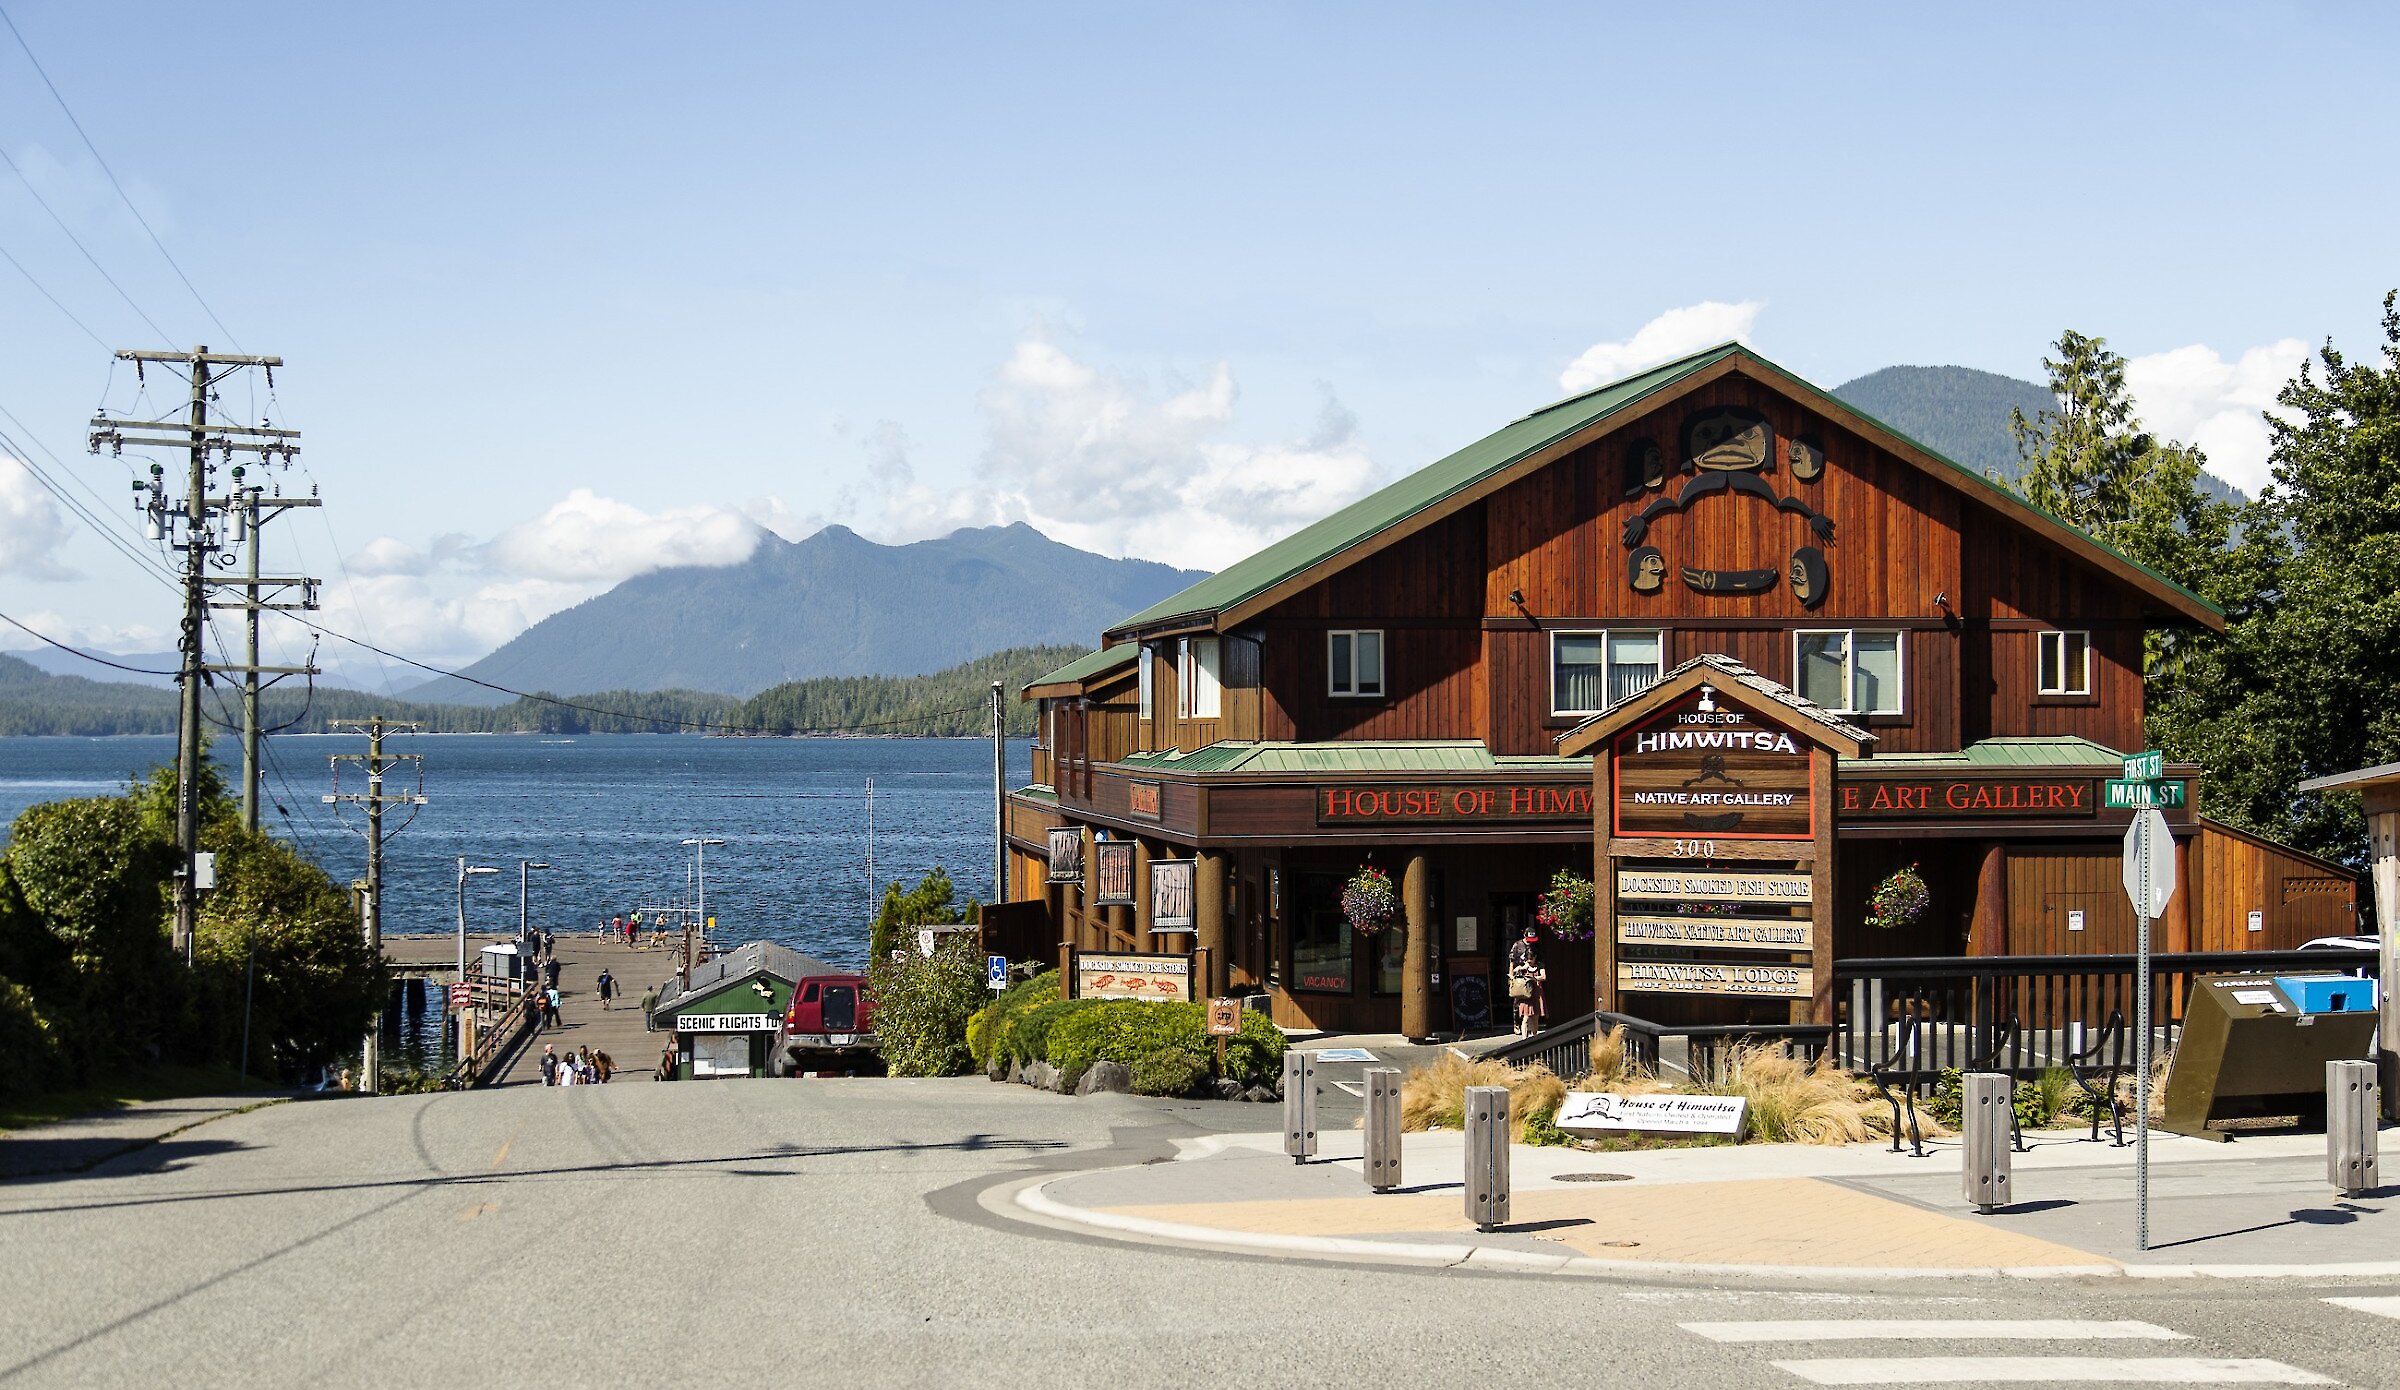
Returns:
(2149, 883)
(995, 973)
(1224, 1020)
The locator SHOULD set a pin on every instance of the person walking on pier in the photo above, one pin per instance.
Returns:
(549, 1065)
(550, 1005)
(608, 991)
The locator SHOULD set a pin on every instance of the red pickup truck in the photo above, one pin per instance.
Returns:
(830, 1026)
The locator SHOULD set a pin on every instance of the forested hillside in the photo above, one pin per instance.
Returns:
(945, 704)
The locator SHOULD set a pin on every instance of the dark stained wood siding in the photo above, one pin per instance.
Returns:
(2299, 897)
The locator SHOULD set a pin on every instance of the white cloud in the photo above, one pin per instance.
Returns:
(2194, 395)
(31, 527)
(587, 537)
(1671, 335)
(90, 637)
(389, 555)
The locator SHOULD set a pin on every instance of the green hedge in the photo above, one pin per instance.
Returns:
(988, 1031)
(922, 1004)
(1170, 1071)
(1029, 1039)
(1128, 1030)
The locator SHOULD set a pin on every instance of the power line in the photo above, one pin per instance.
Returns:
(56, 96)
(664, 721)
(54, 301)
(77, 651)
(164, 335)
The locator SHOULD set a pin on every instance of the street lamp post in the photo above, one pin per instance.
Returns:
(700, 909)
(522, 866)
(464, 871)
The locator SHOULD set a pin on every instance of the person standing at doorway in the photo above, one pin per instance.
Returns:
(1525, 979)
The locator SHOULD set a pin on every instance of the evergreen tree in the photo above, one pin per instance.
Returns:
(2084, 459)
(2299, 684)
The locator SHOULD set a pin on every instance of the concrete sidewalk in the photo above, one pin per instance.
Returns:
(2256, 1208)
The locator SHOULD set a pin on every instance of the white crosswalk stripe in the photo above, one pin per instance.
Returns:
(2381, 1307)
(2050, 1370)
(1931, 1329)
(2004, 1370)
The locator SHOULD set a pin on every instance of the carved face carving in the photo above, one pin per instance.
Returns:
(1645, 466)
(1727, 440)
(1808, 576)
(1807, 458)
(1646, 570)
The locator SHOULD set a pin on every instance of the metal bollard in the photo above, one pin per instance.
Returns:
(1300, 1106)
(2352, 1106)
(1487, 1156)
(1383, 1128)
(1986, 1109)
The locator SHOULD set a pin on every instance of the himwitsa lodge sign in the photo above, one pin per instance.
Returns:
(1696, 768)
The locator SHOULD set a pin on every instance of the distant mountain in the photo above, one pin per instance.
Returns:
(835, 604)
(1963, 413)
(59, 663)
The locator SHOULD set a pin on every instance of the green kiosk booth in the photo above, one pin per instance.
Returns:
(723, 1022)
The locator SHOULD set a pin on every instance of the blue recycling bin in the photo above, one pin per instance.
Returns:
(2328, 994)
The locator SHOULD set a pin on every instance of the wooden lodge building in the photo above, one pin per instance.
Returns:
(1709, 631)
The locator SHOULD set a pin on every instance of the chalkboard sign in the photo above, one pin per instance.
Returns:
(1470, 1002)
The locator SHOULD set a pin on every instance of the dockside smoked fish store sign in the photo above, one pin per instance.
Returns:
(1388, 803)
(1673, 885)
(1698, 769)
(1977, 798)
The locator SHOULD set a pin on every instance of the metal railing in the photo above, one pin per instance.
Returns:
(1910, 1019)
(501, 1002)
(1566, 1048)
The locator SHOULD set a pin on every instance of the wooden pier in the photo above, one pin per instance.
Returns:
(618, 1031)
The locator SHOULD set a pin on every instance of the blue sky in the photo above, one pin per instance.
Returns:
(570, 291)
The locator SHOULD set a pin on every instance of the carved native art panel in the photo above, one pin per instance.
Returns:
(1731, 451)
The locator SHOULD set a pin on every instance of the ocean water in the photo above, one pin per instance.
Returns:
(607, 813)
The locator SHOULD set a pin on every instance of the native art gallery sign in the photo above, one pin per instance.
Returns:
(1719, 933)
(1696, 768)
(1966, 798)
(1387, 803)
(1676, 885)
(1712, 977)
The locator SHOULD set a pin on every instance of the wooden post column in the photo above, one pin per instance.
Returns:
(1987, 933)
(1142, 939)
(2383, 847)
(1208, 917)
(1416, 965)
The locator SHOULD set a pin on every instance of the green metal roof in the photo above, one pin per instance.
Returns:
(1433, 756)
(1085, 667)
(1519, 440)
(1379, 511)
(2066, 751)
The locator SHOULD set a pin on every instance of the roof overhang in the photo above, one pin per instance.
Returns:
(1736, 685)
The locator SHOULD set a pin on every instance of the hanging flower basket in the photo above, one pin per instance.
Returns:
(1566, 910)
(1369, 901)
(1899, 900)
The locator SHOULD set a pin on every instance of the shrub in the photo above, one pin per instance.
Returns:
(28, 1050)
(988, 1031)
(1611, 1061)
(1434, 1096)
(1168, 1071)
(1125, 1030)
(1029, 1039)
(922, 1004)
(1791, 1102)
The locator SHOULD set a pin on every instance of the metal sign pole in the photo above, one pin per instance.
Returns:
(2141, 1062)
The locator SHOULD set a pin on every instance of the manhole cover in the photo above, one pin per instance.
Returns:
(1595, 1177)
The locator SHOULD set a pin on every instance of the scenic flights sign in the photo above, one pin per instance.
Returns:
(1696, 768)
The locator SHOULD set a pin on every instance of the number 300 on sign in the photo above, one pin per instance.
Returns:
(1693, 849)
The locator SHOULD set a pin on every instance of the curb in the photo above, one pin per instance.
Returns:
(1035, 1199)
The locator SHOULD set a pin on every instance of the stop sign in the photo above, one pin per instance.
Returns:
(2149, 863)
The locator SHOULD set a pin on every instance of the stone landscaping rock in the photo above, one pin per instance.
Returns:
(1106, 1076)
(1226, 1088)
(1264, 1095)
(1042, 1075)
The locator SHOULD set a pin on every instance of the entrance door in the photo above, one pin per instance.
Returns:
(1567, 965)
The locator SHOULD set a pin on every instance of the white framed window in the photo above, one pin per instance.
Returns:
(1200, 682)
(1849, 670)
(1354, 662)
(1591, 671)
(1146, 681)
(2066, 663)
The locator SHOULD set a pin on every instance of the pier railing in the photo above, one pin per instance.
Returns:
(502, 1025)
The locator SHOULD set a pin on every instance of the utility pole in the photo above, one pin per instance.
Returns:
(250, 507)
(700, 908)
(999, 797)
(200, 543)
(522, 866)
(375, 799)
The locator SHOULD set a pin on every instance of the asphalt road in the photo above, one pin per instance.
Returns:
(792, 1232)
